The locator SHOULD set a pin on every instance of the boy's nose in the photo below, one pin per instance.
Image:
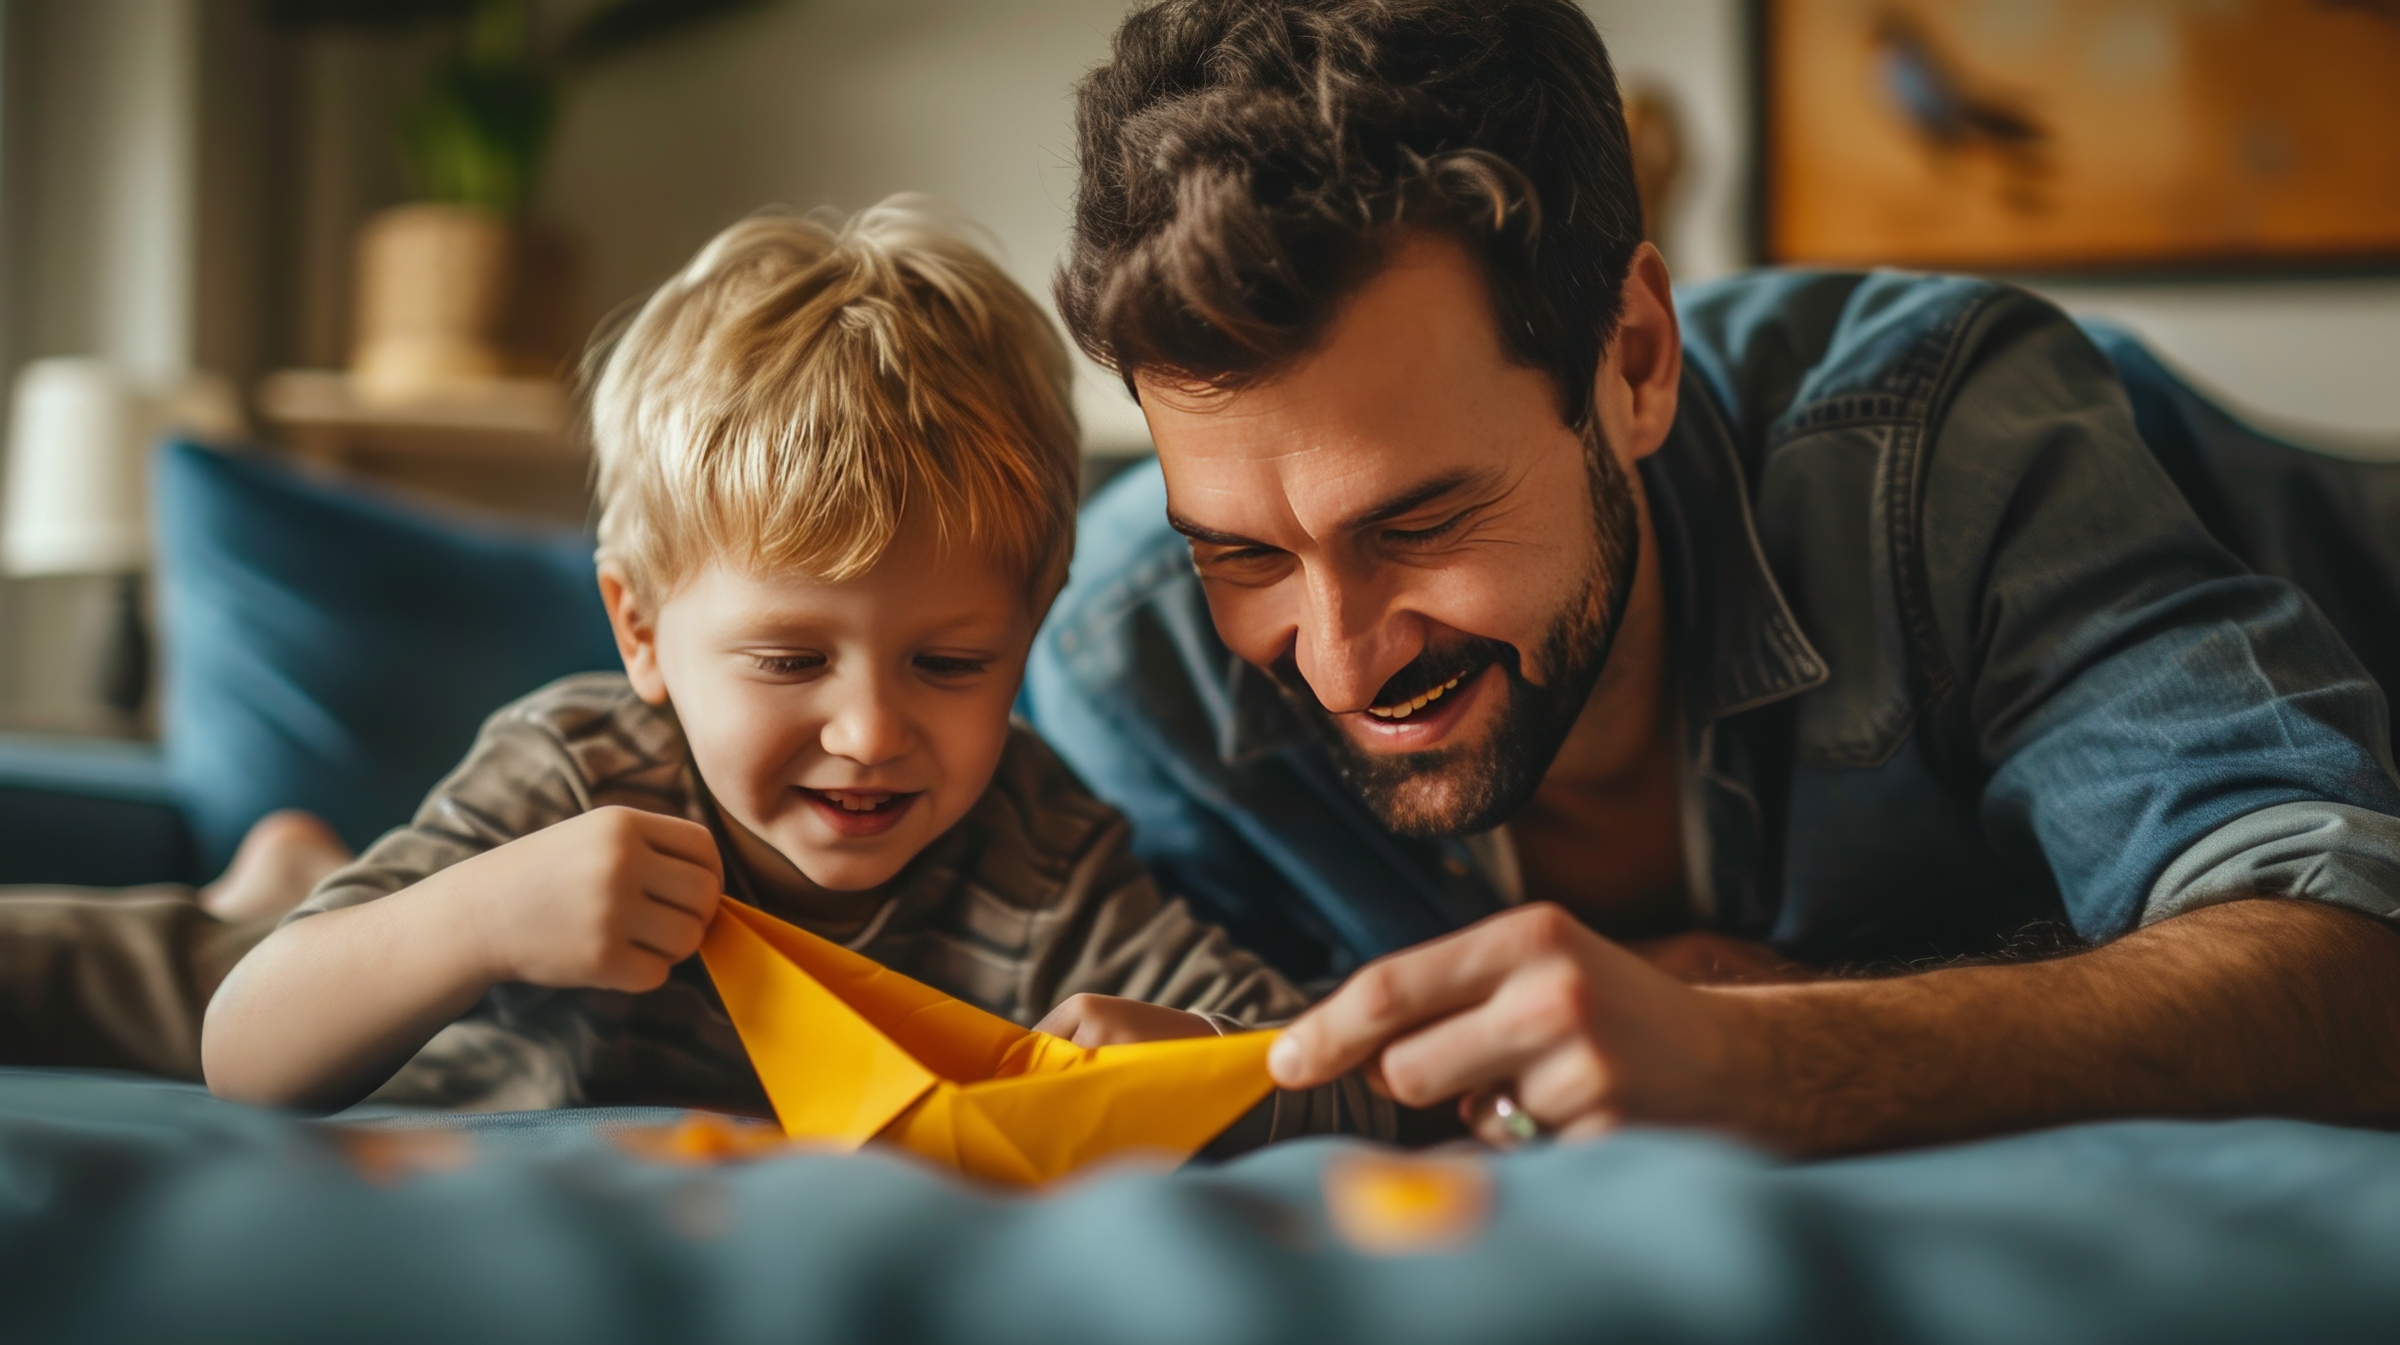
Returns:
(866, 727)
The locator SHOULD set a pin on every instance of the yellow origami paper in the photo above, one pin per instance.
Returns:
(850, 1050)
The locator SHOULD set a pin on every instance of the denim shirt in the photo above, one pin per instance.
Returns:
(1952, 656)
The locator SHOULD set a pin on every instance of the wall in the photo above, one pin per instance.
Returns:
(102, 211)
(842, 101)
(98, 171)
(2318, 360)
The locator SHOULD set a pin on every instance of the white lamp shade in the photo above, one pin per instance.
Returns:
(78, 501)
(79, 444)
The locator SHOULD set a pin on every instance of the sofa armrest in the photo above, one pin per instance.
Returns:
(89, 813)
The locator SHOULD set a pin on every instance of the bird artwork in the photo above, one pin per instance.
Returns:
(2042, 135)
(1956, 115)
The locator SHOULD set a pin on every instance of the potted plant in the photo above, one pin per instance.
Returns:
(459, 287)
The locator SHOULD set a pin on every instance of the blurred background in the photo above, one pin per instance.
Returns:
(371, 236)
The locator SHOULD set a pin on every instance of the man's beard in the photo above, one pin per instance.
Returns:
(1455, 791)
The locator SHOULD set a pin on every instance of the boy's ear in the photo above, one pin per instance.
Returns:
(637, 640)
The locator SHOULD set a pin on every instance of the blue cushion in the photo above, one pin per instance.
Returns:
(333, 648)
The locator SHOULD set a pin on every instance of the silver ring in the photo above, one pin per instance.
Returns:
(1514, 1119)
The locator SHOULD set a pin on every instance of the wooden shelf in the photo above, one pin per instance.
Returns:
(506, 444)
(515, 417)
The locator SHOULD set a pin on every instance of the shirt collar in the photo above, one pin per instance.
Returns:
(1737, 643)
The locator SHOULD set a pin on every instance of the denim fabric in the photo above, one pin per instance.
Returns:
(2329, 524)
(1954, 656)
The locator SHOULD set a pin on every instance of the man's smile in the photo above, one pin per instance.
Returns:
(1425, 720)
(1409, 707)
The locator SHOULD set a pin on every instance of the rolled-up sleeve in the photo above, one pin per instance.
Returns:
(2159, 726)
(2328, 852)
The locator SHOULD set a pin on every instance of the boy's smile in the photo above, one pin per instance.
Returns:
(840, 726)
(859, 812)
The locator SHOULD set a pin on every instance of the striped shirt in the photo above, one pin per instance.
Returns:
(1033, 896)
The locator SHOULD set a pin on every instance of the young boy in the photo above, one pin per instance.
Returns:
(837, 483)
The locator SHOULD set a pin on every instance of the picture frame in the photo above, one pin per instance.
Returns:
(2085, 136)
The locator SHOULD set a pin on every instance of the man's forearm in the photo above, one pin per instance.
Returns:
(2255, 1007)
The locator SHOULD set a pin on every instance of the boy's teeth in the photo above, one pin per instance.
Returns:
(1409, 707)
(855, 803)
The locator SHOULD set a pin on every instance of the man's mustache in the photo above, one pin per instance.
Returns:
(1434, 665)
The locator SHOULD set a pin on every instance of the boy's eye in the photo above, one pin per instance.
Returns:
(951, 665)
(788, 665)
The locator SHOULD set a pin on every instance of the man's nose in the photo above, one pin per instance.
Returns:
(1350, 641)
(866, 724)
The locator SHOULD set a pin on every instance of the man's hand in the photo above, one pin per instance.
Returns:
(1585, 1034)
(608, 900)
(2241, 1009)
(1105, 1020)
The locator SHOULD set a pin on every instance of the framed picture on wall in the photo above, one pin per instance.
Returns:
(2053, 135)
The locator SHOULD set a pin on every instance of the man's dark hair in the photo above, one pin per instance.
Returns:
(1244, 163)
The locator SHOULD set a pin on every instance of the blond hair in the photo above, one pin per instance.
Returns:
(803, 384)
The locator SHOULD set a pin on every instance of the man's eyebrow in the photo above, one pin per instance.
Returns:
(1209, 535)
(1406, 502)
(1413, 499)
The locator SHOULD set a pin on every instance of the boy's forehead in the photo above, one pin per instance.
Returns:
(913, 586)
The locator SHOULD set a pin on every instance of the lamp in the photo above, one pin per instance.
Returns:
(78, 498)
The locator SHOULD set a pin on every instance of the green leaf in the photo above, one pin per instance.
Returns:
(627, 24)
(479, 134)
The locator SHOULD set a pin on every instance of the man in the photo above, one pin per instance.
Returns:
(1487, 614)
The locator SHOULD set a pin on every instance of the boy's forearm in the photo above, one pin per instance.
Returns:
(324, 1010)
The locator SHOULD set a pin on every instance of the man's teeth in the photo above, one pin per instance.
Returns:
(1406, 708)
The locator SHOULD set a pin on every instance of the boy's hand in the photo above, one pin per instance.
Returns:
(1105, 1020)
(609, 900)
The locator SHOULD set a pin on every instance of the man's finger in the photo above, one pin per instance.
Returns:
(1485, 1119)
(1564, 1086)
(1405, 990)
(1537, 1010)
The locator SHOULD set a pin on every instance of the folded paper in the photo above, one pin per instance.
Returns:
(852, 1051)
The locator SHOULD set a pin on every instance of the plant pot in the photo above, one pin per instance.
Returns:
(450, 297)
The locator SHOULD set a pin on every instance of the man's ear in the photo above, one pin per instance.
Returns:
(637, 638)
(1634, 394)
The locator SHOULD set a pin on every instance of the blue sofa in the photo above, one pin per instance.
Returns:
(327, 646)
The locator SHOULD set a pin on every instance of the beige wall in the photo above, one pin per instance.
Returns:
(843, 101)
(839, 102)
